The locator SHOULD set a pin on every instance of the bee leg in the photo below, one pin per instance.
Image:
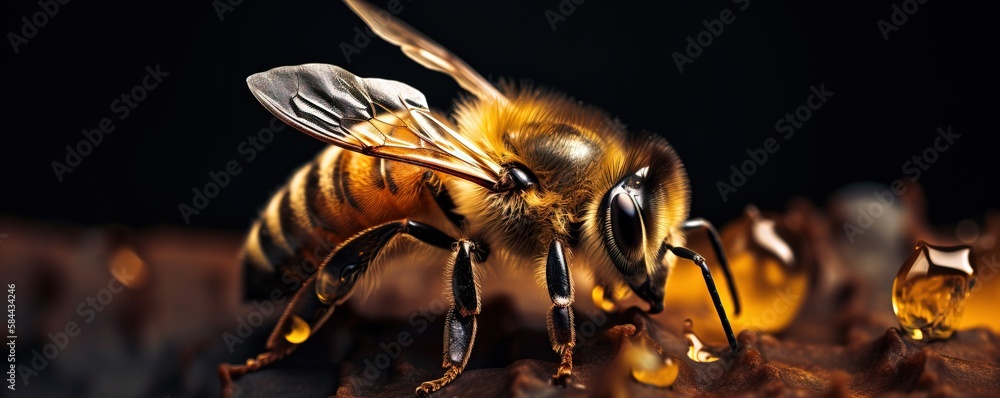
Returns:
(330, 286)
(303, 316)
(720, 254)
(562, 332)
(689, 254)
(460, 325)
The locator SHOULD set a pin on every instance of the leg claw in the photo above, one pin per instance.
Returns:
(425, 389)
(561, 379)
(565, 371)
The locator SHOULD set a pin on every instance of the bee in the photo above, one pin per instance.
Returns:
(516, 177)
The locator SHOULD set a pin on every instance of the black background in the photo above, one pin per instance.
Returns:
(890, 96)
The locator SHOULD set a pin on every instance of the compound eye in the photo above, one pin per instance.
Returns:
(626, 226)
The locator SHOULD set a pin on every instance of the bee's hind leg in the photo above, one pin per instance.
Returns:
(562, 332)
(460, 324)
(303, 316)
(332, 284)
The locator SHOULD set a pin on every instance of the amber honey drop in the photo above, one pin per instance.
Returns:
(598, 296)
(298, 330)
(928, 294)
(696, 348)
(128, 268)
(772, 272)
(606, 299)
(771, 265)
(327, 287)
(663, 376)
(649, 368)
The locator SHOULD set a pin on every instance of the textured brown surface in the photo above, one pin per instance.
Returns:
(967, 364)
(844, 342)
(166, 337)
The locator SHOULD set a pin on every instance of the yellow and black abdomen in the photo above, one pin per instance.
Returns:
(327, 201)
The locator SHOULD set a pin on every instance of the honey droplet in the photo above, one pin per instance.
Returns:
(327, 287)
(649, 368)
(696, 348)
(929, 292)
(607, 298)
(598, 296)
(771, 264)
(621, 292)
(127, 268)
(298, 330)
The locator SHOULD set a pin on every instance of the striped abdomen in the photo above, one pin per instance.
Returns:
(327, 201)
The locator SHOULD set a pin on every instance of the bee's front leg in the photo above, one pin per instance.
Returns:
(562, 332)
(460, 325)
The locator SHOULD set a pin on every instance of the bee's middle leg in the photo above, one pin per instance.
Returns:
(460, 324)
(562, 332)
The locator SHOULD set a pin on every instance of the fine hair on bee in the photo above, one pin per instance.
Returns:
(515, 178)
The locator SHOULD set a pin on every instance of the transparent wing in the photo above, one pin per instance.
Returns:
(423, 50)
(376, 117)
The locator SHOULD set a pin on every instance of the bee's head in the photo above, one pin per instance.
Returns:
(641, 202)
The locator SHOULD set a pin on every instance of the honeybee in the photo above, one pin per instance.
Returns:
(517, 177)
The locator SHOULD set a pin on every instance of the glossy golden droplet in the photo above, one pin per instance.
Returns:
(649, 368)
(607, 299)
(772, 273)
(298, 330)
(598, 296)
(621, 292)
(696, 348)
(929, 292)
(127, 268)
(771, 265)
(327, 287)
